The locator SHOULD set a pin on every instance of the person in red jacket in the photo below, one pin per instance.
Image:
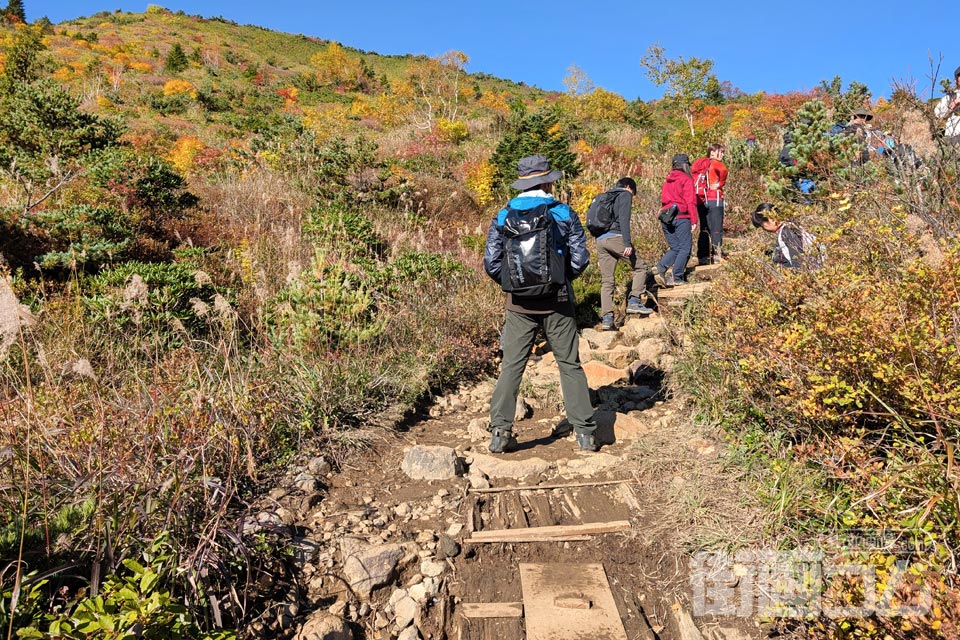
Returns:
(710, 176)
(677, 190)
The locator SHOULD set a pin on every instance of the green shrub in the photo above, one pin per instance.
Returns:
(165, 302)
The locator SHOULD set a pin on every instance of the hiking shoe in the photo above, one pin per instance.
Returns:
(607, 323)
(679, 282)
(658, 277)
(587, 442)
(635, 306)
(669, 280)
(502, 441)
(702, 262)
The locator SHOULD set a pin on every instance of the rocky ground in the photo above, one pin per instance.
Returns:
(383, 546)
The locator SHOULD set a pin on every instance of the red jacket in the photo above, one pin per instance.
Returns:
(678, 190)
(709, 176)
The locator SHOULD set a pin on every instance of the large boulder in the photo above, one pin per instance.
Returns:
(423, 462)
(601, 375)
(323, 625)
(502, 468)
(367, 567)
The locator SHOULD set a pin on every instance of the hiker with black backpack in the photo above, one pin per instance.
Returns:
(608, 220)
(949, 107)
(535, 247)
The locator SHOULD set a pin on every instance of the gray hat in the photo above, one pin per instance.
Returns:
(681, 158)
(864, 113)
(533, 171)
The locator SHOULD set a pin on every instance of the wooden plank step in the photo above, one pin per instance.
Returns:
(684, 291)
(543, 533)
(549, 590)
(492, 609)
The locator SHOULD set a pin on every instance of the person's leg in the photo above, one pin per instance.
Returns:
(638, 285)
(666, 262)
(703, 240)
(682, 243)
(715, 219)
(561, 331)
(607, 257)
(519, 332)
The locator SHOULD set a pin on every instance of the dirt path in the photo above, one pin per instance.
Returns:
(390, 549)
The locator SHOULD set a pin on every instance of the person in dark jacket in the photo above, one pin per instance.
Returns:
(795, 248)
(616, 245)
(554, 314)
(678, 190)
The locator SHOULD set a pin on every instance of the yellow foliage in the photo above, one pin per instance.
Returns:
(480, 180)
(451, 131)
(63, 74)
(142, 67)
(103, 101)
(555, 130)
(105, 25)
(361, 107)
(603, 105)
(496, 102)
(582, 148)
(335, 66)
(583, 195)
(389, 110)
(326, 121)
(177, 87)
(184, 151)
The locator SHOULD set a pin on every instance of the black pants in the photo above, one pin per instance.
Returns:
(711, 229)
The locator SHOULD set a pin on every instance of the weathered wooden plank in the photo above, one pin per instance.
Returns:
(492, 609)
(530, 538)
(546, 585)
(599, 483)
(556, 531)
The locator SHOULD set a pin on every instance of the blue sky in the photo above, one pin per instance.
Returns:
(771, 46)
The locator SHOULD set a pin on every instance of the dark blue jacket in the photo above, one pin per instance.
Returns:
(568, 224)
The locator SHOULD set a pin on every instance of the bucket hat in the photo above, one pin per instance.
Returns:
(533, 171)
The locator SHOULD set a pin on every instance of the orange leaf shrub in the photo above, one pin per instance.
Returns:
(177, 87)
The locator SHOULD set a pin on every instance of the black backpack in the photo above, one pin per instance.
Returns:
(534, 253)
(600, 214)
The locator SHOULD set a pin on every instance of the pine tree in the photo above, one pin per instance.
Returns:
(16, 10)
(176, 60)
(532, 134)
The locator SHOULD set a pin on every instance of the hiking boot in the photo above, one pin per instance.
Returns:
(679, 282)
(669, 280)
(635, 306)
(502, 441)
(587, 442)
(702, 262)
(658, 277)
(607, 323)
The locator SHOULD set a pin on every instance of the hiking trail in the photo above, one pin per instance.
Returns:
(427, 535)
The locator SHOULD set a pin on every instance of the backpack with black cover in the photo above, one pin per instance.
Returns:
(600, 213)
(534, 254)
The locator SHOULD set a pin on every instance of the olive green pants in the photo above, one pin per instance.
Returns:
(519, 332)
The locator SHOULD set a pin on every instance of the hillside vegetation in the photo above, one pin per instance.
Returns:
(227, 247)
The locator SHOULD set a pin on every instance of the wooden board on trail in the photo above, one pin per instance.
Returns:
(492, 609)
(683, 292)
(546, 585)
(544, 533)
